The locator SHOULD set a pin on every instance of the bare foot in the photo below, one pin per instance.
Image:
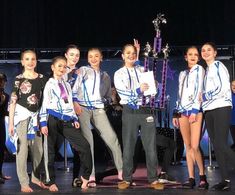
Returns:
(26, 189)
(120, 175)
(6, 177)
(53, 188)
(40, 184)
(84, 183)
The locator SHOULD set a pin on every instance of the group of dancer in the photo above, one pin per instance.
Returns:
(73, 99)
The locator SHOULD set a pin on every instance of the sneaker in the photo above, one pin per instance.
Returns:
(123, 185)
(76, 182)
(222, 186)
(157, 185)
(164, 178)
(189, 184)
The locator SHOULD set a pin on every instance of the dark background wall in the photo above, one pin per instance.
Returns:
(108, 23)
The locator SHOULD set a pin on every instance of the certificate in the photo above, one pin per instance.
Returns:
(147, 77)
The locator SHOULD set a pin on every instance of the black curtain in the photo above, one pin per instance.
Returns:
(106, 23)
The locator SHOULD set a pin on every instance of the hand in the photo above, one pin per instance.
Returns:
(77, 71)
(137, 46)
(11, 130)
(77, 108)
(192, 118)
(44, 130)
(200, 98)
(76, 125)
(144, 87)
(175, 122)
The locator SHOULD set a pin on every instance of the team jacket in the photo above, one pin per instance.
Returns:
(54, 105)
(190, 89)
(92, 88)
(216, 87)
(127, 83)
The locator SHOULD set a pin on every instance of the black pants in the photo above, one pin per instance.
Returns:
(2, 142)
(168, 146)
(218, 123)
(76, 163)
(76, 139)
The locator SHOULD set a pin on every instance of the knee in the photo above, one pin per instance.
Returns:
(188, 147)
(195, 148)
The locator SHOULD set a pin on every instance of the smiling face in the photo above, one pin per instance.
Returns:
(72, 55)
(58, 67)
(192, 56)
(94, 58)
(208, 53)
(29, 60)
(129, 55)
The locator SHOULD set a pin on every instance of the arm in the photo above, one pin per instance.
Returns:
(220, 80)
(45, 102)
(123, 87)
(198, 86)
(11, 114)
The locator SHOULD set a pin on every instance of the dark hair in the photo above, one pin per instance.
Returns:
(190, 47)
(212, 44)
(3, 77)
(95, 49)
(27, 51)
(57, 58)
(128, 45)
(71, 46)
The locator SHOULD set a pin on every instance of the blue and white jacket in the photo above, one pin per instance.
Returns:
(127, 83)
(54, 105)
(216, 87)
(190, 89)
(92, 88)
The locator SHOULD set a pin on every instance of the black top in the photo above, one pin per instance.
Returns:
(29, 91)
(4, 99)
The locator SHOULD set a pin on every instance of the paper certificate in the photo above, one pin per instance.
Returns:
(147, 77)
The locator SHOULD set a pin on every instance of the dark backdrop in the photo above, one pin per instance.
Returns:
(108, 23)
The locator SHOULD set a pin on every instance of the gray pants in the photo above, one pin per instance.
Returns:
(99, 119)
(132, 121)
(22, 154)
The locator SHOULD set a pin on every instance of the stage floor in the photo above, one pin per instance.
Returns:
(109, 185)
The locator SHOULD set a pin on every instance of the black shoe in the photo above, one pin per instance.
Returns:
(222, 186)
(203, 185)
(2, 180)
(77, 182)
(189, 184)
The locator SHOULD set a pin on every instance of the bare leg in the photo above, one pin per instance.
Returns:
(186, 134)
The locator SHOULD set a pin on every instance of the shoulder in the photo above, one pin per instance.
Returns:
(139, 67)
(120, 70)
(19, 77)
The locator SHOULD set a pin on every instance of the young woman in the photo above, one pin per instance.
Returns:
(190, 119)
(57, 116)
(217, 105)
(23, 113)
(91, 91)
(127, 83)
(72, 54)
